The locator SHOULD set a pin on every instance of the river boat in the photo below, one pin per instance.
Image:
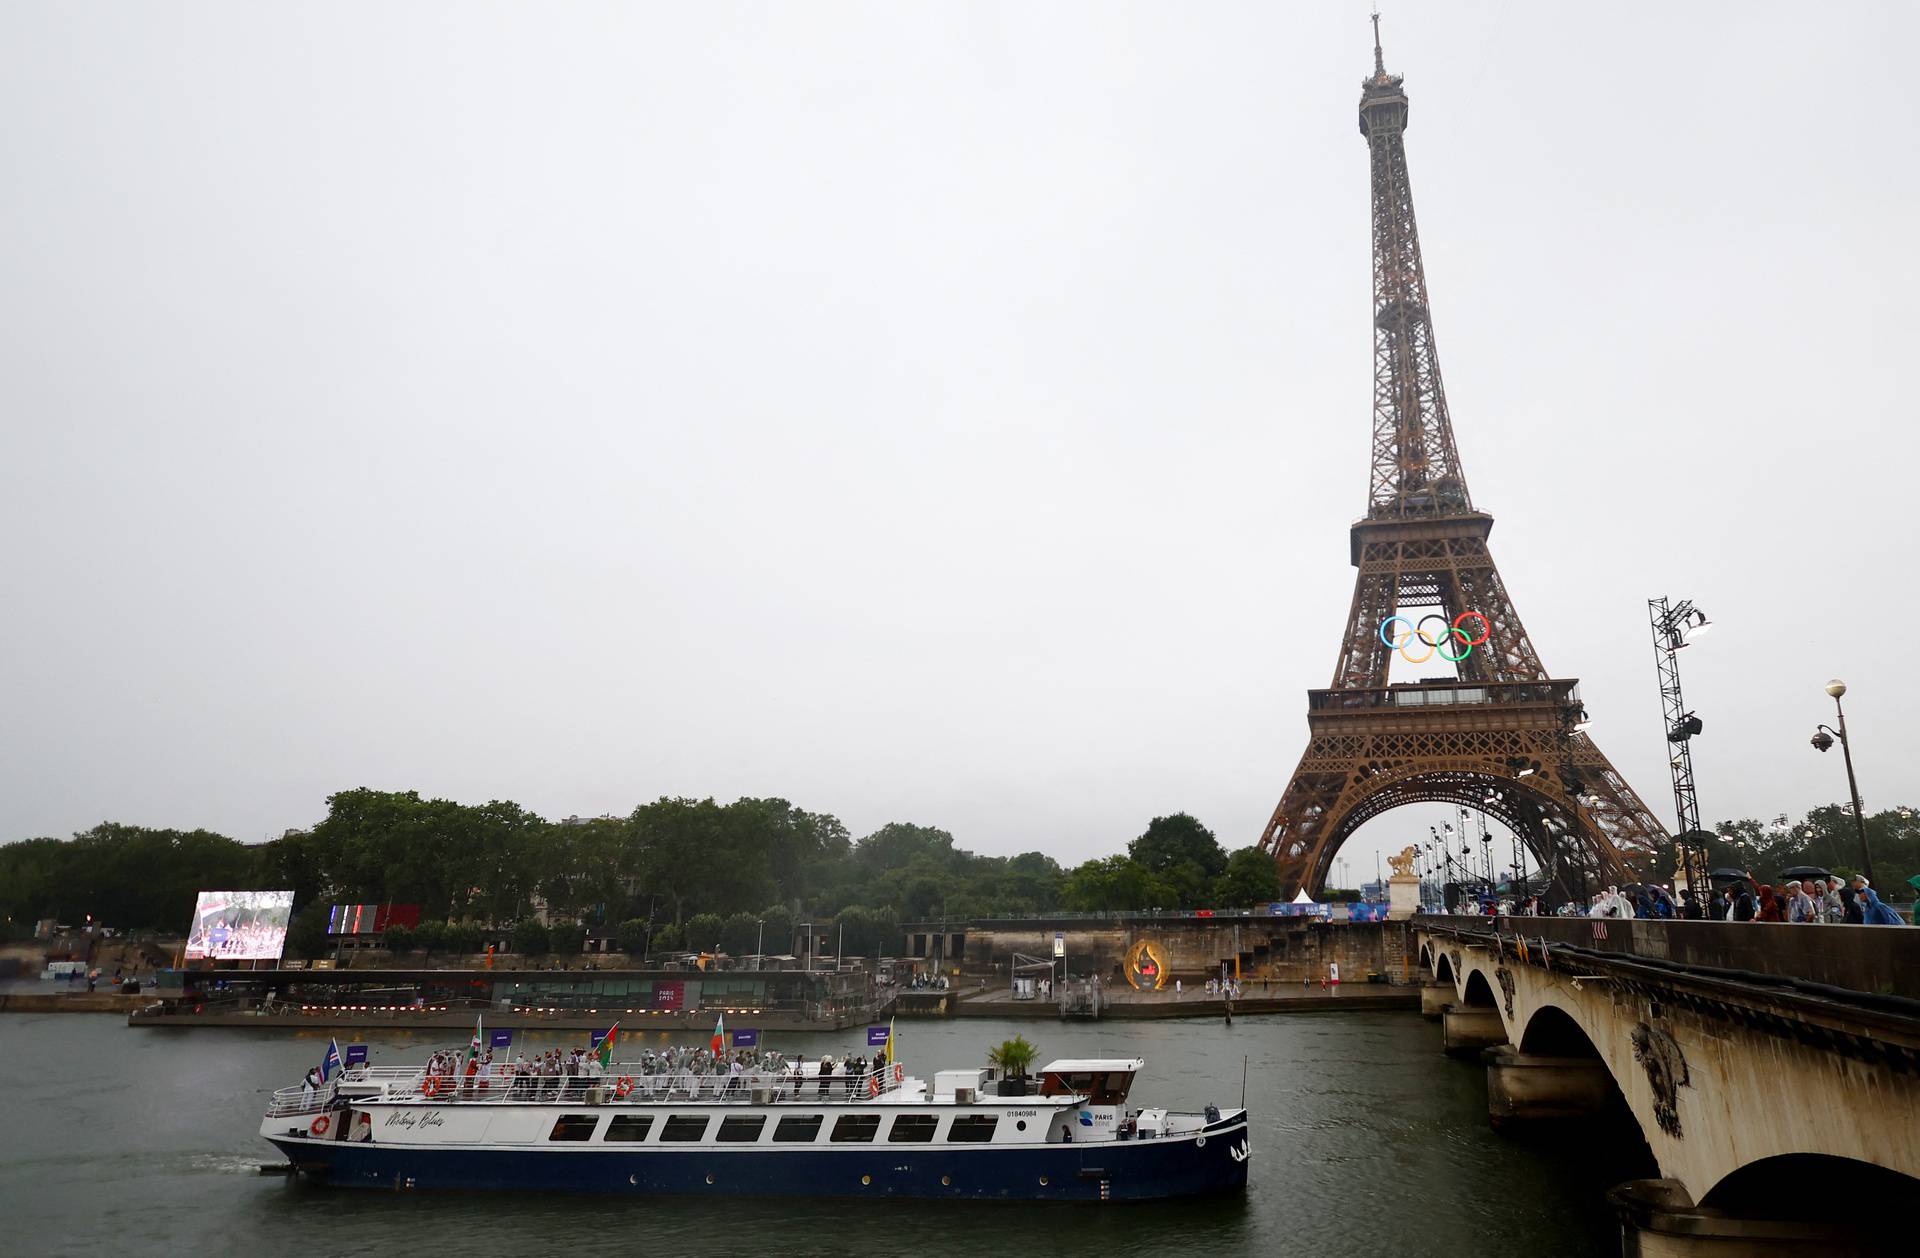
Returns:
(886, 1133)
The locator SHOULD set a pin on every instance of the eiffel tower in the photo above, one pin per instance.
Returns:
(1501, 735)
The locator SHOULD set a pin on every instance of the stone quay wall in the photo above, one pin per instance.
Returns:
(1277, 949)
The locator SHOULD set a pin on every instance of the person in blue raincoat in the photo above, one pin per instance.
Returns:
(1872, 911)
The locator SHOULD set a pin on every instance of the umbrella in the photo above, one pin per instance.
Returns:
(1804, 872)
(1728, 875)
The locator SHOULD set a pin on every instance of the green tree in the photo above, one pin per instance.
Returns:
(397, 939)
(1250, 878)
(566, 939)
(1113, 884)
(307, 933)
(738, 933)
(430, 936)
(703, 932)
(631, 936)
(778, 932)
(130, 877)
(464, 938)
(867, 932)
(1168, 841)
(529, 937)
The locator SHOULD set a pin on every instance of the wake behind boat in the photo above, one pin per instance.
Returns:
(776, 1128)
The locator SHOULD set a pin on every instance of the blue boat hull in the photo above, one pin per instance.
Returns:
(1126, 1170)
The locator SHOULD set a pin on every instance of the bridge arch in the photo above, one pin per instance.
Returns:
(1553, 1032)
(1818, 1188)
(1442, 967)
(1539, 808)
(1477, 991)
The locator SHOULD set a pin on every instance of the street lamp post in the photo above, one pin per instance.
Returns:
(1823, 738)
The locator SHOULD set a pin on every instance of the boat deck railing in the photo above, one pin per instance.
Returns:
(622, 1084)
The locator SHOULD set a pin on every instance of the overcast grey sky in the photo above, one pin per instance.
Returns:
(945, 413)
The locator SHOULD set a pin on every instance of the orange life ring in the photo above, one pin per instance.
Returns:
(899, 1073)
(320, 1125)
(873, 1085)
(432, 1086)
(623, 1087)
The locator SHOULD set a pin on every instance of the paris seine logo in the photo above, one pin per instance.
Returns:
(1451, 640)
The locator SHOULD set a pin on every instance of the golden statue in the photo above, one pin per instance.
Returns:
(1402, 864)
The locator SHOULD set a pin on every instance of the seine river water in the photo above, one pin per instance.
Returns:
(1366, 1140)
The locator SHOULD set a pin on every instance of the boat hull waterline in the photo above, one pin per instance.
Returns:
(1210, 1161)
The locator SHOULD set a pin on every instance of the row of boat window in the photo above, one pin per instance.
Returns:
(791, 1129)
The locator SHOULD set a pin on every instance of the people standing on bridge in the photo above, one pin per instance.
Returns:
(1833, 909)
(1800, 906)
(1769, 907)
(1850, 906)
(1739, 903)
(1872, 911)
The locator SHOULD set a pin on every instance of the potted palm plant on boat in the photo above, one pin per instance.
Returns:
(1011, 1060)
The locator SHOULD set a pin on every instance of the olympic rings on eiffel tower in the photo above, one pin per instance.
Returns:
(1437, 642)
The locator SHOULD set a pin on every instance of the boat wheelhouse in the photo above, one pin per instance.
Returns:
(770, 1132)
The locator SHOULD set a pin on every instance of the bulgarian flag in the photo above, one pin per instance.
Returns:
(605, 1051)
(719, 1034)
(473, 1049)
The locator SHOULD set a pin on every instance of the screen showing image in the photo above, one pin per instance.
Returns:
(239, 925)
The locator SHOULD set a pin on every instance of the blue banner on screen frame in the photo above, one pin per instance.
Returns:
(356, 1054)
(594, 1038)
(500, 1039)
(1300, 910)
(876, 1037)
(1364, 912)
(747, 1037)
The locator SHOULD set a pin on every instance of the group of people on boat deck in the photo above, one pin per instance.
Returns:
(689, 1073)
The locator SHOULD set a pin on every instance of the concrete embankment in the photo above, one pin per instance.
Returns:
(1372, 997)
(631, 1021)
(71, 1002)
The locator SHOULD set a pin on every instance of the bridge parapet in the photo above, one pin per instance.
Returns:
(1882, 960)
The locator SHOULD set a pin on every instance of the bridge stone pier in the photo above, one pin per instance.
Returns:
(1774, 1070)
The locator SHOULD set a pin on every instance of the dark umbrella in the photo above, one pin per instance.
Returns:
(1728, 875)
(1804, 872)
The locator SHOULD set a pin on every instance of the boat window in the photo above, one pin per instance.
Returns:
(855, 1128)
(684, 1127)
(741, 1128)
(574, 1127)
(798, 1128)
(629, 1127)
(973, 1128)
(912, 1129)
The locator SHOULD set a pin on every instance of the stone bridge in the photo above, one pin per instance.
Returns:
(1774, 1070)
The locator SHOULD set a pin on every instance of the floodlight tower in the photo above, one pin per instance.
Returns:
(1674, 626)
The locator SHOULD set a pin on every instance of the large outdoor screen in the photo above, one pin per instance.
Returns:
(239, 925)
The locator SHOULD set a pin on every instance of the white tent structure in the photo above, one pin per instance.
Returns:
(1302, 897)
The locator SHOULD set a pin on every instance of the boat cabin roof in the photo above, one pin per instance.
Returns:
(1095, 1065)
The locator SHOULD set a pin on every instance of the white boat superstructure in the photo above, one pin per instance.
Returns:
(769, 1130)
